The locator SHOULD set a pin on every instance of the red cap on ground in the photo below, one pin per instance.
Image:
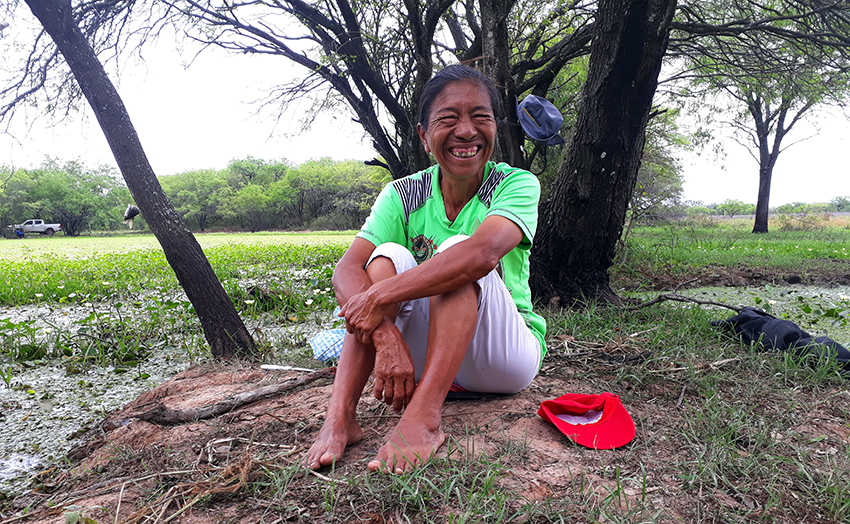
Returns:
(593, 421)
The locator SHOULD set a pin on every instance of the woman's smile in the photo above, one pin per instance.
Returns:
(461, 131)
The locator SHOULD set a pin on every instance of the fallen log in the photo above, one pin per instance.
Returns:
(164, 415)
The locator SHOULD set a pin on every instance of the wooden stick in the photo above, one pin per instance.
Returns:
(164, 415)
(682, 298)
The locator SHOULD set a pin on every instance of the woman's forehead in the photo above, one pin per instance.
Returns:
(463, 93)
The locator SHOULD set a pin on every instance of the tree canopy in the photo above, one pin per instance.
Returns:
(767, 79)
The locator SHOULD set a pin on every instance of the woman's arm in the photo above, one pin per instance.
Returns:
(459, 265)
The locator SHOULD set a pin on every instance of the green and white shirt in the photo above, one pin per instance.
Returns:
(410, 212)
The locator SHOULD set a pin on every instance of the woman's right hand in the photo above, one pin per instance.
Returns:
(394, 373)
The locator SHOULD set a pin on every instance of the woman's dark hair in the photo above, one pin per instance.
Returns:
(457, 73)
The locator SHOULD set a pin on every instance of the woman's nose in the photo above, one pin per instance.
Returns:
(465, 128)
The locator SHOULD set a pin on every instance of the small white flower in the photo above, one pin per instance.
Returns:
(87, 304)
(316, 291)
(61, 287)
(249, 302)
(38, 295)
(72, 295)
(105, 283)
(308, 302)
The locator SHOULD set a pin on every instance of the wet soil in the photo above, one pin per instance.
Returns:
(823, 273)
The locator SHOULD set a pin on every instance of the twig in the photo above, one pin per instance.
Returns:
(118, 507)
(685, 283)
(713, 365)
(326, 479)
(719, 363)
(681, 397)
(165, 503)
(633, 335)
(184, 508)
(682, 298)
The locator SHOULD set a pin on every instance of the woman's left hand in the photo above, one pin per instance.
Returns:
(362, 315)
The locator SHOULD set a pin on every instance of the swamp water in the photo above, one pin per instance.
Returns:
(47, 404)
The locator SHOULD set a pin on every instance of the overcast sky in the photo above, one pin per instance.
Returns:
(203, 117)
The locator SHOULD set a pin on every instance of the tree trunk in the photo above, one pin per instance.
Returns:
(224, 330)
(762, 116)
(583, 217)
(496, 63)
(763, 202)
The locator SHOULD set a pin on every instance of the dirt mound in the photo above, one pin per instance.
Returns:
(242, 465)
(131, 469)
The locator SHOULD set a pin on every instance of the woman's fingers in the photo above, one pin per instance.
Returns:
(400, 396)
(379, 388)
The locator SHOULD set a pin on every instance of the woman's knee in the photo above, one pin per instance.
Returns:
(401, 258)
(449, 242)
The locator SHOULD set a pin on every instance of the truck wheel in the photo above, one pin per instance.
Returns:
(49, 232)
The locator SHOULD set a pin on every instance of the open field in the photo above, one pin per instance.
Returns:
(87, 246)
(725, 433)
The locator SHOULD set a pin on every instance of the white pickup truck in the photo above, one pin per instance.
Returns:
(37, 226)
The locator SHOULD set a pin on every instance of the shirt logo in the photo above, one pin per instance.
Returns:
(423, 248)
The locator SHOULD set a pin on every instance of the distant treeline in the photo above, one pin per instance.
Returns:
(737, 207)
(254, 195)
(249, 194)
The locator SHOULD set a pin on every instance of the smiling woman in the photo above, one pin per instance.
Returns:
(434, 288)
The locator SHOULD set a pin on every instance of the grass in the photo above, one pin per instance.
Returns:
(59, 273)
(726, 433)
(677, 247)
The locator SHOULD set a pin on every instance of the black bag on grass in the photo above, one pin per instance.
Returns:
(755, 326)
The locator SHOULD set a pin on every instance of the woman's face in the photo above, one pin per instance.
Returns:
(461, 130)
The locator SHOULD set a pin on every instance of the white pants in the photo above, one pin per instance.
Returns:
(503, 356)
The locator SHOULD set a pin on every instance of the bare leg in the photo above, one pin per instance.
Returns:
(355, 365)
(453, 317)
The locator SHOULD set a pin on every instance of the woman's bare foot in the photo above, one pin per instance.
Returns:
(411, 444)
(333, 438)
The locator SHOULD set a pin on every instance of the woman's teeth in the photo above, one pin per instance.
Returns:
(464, 153)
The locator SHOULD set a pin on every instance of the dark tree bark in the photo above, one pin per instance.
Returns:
(223, 328)
(765, 120)
(583, 217)
(496, 63)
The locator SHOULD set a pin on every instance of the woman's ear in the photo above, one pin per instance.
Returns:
(423, 138)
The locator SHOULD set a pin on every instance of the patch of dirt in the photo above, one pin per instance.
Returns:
(825, 273)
